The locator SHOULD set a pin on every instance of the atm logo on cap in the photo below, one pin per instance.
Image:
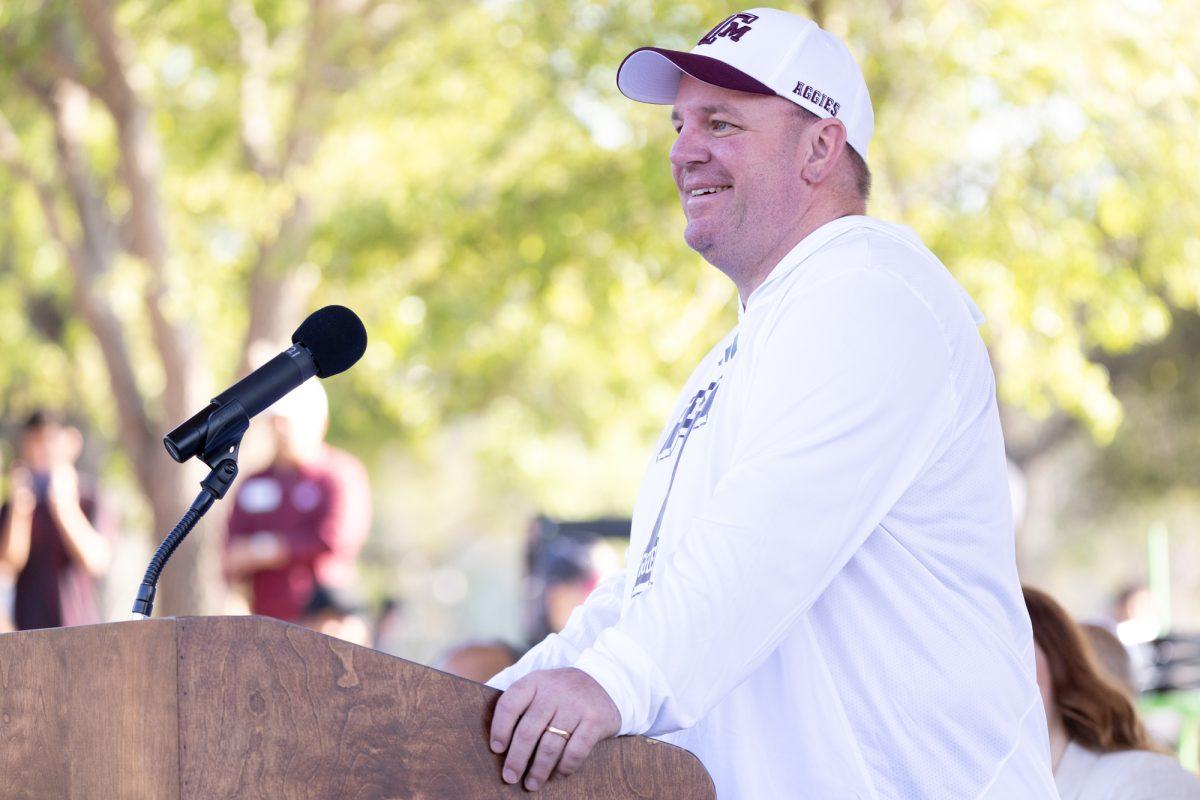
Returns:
(731, 28)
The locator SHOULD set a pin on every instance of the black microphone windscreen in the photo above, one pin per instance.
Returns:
(336, 338)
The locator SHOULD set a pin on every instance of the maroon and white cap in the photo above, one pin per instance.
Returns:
(765, 51)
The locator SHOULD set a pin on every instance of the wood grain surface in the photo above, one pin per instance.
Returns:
(89, 712)
(276, 712)
(247, 708)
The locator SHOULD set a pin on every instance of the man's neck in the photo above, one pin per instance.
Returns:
(759, 274)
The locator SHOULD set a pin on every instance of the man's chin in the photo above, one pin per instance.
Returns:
(706, 242)
(699, 237)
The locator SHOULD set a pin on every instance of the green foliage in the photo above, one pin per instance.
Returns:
(506, 225)
(1039, 149)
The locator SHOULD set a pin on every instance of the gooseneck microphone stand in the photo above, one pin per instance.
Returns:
(223, 437)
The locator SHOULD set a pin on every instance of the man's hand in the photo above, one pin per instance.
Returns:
(566, 699)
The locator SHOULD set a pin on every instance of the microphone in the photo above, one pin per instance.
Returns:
(330, 341)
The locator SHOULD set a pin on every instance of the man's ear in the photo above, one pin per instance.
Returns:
(826, 142)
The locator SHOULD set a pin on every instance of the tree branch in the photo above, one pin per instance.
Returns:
(141, 167)
(278, 296)
(257, 130)
(278, 290)
(87, 262)
(301, 139)
(816, 11)
(70, 103)
(10, 154)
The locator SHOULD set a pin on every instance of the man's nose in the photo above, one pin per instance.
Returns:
(689, 147)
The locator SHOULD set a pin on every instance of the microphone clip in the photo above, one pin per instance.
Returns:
(223, 435)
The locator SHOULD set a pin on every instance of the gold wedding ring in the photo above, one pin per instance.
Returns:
(559, 731)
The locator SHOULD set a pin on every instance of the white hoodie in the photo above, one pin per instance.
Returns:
(822, 598)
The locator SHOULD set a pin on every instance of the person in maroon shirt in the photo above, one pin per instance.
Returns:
(52, 533)
(301, 522)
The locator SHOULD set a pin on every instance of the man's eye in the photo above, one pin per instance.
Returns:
(720, 125)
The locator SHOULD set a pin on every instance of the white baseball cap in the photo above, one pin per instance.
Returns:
(764, 51)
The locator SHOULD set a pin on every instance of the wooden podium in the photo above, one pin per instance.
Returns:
(243, 708)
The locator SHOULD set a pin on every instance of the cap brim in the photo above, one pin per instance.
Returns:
(651, 75)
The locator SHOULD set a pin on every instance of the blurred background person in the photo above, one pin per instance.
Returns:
(1135, 615)
(478, 661)
(338, 613)
(391, 626)
(299, 523)
(6, 599)
(54, 537)
(564, 562)
(1133, 619)
(1111, 656)
(570, 575)
(6, 587)
(1099, 748)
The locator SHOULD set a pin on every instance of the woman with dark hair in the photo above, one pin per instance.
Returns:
(1098, 746)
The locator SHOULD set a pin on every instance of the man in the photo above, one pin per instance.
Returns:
(53, 535)
(822, 598)
(300, 523)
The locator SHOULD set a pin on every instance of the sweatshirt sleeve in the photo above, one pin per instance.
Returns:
(848, 396)
(599, 611)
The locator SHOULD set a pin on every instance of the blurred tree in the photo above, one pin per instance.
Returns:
(468, 178)
(84, 137)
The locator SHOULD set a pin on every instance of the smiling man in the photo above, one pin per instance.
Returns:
(822, 598)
